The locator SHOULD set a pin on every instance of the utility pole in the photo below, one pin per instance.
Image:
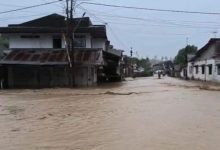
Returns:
(131, 52)
(132, 67)
(70, 40)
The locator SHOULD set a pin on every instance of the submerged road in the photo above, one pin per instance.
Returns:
(139, 114)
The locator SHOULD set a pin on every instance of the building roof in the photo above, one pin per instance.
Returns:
(55, 23)
(205, 48)
(54, 20)
(52, 57)
(95, 31)
(115, 52)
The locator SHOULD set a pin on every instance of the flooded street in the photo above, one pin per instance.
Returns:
(139, 114)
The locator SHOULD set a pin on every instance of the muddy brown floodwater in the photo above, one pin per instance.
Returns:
(140, 114)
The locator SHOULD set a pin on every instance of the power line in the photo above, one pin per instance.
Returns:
(101, 13)
(10, 5)
(156, 22)
(28, 7)
(92, 14)
(56, 5)
(176, 34)
(106, 23)
(112, 31)
(173, 24)
(153, 33)
(21, 17)
(152, 9)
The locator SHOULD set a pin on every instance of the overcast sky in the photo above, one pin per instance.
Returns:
(160, 34)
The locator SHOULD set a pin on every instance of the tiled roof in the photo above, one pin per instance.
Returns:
(52, 57)
(205, 48)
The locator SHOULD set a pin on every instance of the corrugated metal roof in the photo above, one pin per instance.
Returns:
(52, 57)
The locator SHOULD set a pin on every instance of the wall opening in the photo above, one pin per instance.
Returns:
(218, 69)
(203, 69)
(57, 42)
(210, 69)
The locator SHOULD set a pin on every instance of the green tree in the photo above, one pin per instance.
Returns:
(144, 63)
(3, 43)
(181, 58)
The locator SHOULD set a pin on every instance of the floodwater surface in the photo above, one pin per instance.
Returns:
(139, 114)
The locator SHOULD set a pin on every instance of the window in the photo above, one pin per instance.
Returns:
(30, 36)
(218, 69)
(210, 69)
(80, 41)
(203, 69)
(197, 69)
(57, 42)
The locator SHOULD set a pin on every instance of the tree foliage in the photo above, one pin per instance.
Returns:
(181, 58)
(3, 43)
(144, 63)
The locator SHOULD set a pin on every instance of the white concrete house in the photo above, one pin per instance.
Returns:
(38, 48)
(205, 65)
(47, 32)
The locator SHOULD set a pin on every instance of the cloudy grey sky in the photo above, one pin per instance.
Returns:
(158, 34)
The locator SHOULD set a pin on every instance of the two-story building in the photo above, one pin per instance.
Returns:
(39, 57)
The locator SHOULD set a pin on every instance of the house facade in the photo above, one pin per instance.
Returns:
(205, 65)
(48, 32)
(39, 57)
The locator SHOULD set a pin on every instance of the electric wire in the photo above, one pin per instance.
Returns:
(153, 9)
(29, 7)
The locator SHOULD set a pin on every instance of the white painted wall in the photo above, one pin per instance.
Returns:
(45, 41)
(182, 73)
(88, 41)
(214, 77)
(190, 70)
(99, 43)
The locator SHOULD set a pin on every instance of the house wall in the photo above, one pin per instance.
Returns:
(86, 76)
(25, 76)
(99, 43)
(214, 77)
(88, 41)
(206, 59)
(182, 75)
(190, 70)
(46, 41)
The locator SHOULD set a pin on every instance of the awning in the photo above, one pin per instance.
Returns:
(52, 57)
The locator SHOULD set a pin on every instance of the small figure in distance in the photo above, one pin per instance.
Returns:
(159, 74)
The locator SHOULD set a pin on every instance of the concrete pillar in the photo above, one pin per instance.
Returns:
(10, 77)
(52, 80)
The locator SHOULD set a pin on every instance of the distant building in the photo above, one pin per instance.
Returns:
(205, 65)
(159, 67)
(167, 67)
